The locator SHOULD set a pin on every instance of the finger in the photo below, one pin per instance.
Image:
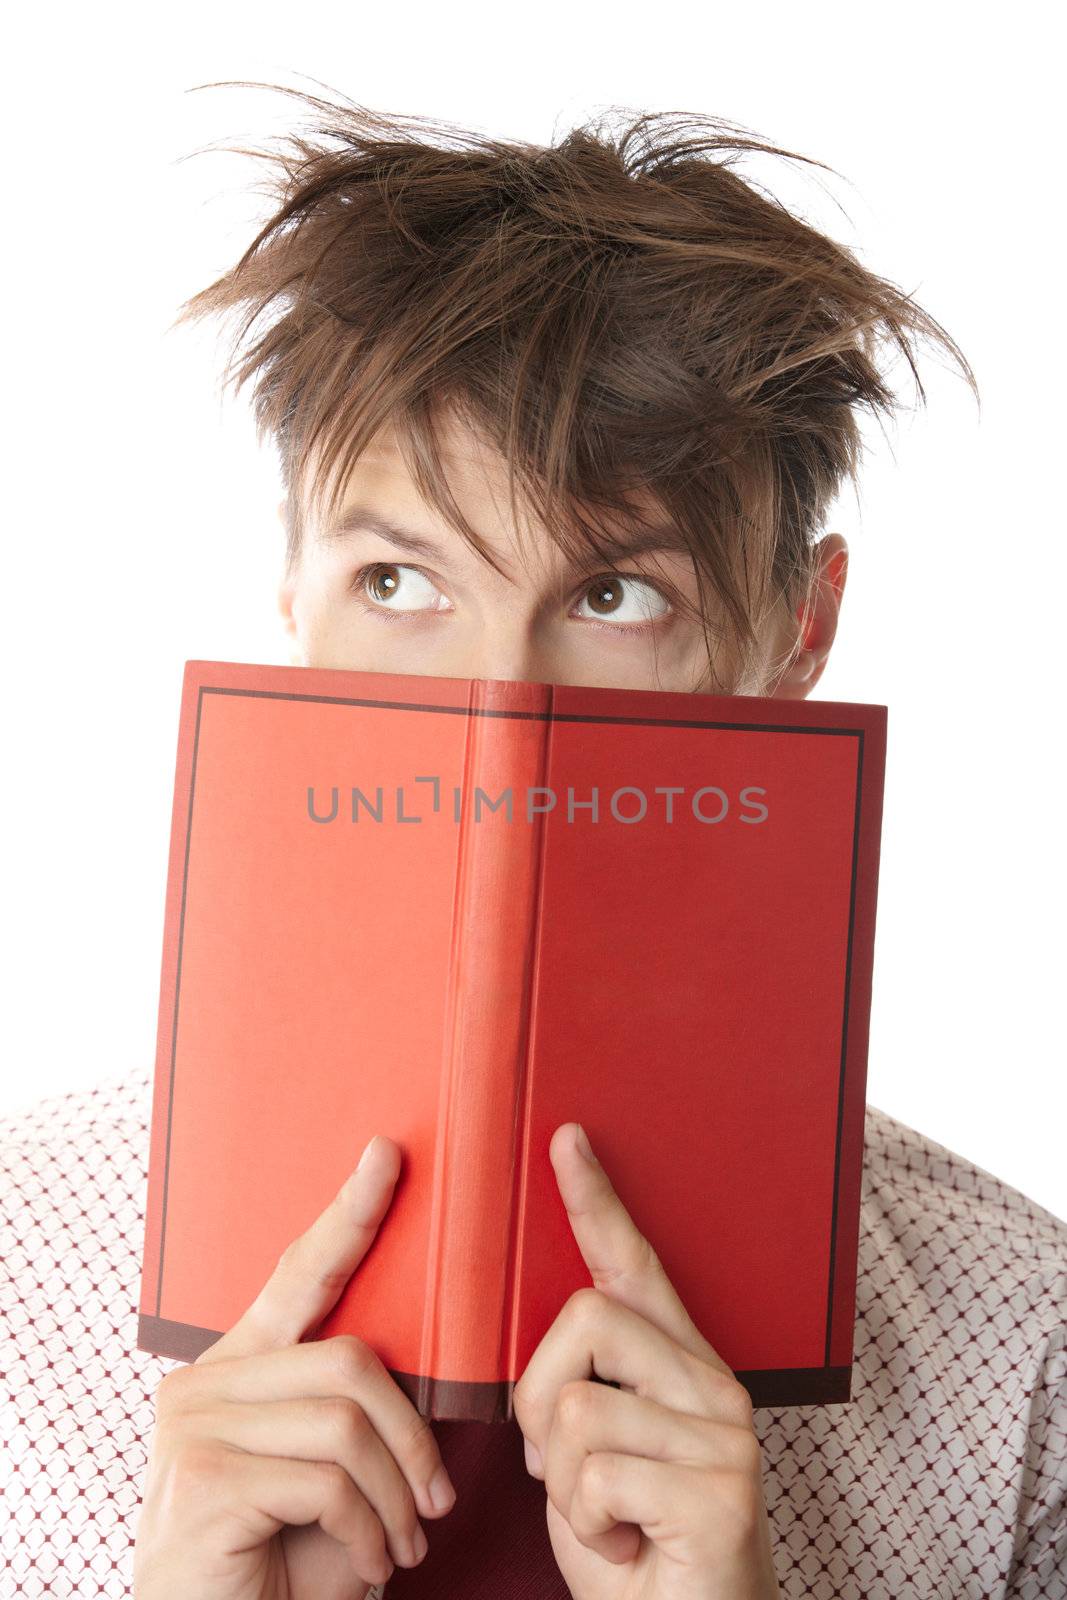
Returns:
(668, 1502)
(327, 1428)
(343, 1365)
(236, 1502)
(314, 1268)
(594, 1335)
(621, 1261)
(590, 1419)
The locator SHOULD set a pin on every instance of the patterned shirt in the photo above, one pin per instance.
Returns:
(944, 1476)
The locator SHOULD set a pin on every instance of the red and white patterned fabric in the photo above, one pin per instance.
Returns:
(945, 1476)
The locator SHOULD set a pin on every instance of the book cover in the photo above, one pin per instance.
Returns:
(463, 911)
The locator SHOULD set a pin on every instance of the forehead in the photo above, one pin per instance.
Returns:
(461, 445)
(476, 476)
(475, 472)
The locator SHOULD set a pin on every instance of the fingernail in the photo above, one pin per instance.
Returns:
(534, 1464)
(581, 1139)
(419, 1543)
(366, 1153)
(442, 1493)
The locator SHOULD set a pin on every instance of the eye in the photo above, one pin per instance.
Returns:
(389, 586)
(609, 600)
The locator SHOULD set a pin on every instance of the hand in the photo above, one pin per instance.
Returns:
(287, 1471)
(654, 1488)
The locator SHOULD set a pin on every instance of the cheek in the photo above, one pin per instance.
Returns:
(336, 633)
(320, 618)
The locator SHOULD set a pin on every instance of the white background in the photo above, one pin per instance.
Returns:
(140, 527)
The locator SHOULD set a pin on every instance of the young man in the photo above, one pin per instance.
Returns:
(566, 414)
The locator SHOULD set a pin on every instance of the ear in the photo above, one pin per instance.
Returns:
(286, 596)
(816, 627)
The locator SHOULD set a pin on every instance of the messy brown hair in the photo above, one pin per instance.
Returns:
(623, 317)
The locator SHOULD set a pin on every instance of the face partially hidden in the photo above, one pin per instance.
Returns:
(415, 597)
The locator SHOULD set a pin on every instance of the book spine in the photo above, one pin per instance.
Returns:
(479, 1143)
(151, 1298)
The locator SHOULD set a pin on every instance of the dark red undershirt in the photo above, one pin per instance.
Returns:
(493, 1544)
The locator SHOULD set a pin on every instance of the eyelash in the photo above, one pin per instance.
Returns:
(359, 581)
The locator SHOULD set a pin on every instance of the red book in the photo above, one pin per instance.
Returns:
(463, 911)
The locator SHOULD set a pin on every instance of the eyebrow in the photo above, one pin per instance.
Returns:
(364, 519)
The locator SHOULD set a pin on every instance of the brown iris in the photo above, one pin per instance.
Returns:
(604, 595)
(383, 583)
